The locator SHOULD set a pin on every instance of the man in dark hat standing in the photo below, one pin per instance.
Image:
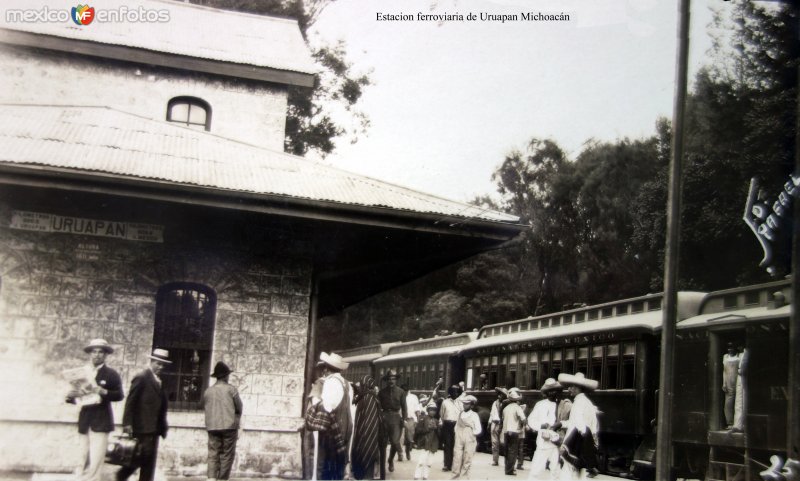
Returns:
(223, 415)
(393, 405)
(146, 416)
(96, 418)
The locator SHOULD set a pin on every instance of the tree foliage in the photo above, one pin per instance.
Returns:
(597, 224)
(311, 125)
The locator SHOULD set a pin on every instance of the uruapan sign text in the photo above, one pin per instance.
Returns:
(41, 222)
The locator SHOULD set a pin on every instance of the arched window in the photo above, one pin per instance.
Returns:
(184, 325)
(190, 111)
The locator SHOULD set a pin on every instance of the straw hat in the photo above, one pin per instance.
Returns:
(469, 399)
(551, 384)
(333, 360)
(160, 355)
(579, 380)
(99, 343)
(514, 395)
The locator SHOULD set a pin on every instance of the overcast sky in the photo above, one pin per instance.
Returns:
(451, 99)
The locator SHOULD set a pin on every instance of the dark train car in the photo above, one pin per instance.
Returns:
(362, 360)
(756, 318)
(615, 343)
(421, 363)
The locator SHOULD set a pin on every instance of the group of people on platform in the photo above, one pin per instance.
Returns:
(351, 426)
(145, 415)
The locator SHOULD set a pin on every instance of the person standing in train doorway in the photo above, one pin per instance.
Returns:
(730, 371)
(740, 401)
(543, 420)
(579, 447)
(448, 415)
(513, 428)
(393, 404)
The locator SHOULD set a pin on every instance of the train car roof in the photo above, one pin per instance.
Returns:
(766, 301)
(432, 346)
(366, 353)
(621, 315)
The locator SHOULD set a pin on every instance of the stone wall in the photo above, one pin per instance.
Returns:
(249, 111)
(60, 290)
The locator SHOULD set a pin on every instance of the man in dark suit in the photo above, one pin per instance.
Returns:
(96, 418)
(145, 416)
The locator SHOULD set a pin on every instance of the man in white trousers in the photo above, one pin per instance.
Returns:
(544, 422)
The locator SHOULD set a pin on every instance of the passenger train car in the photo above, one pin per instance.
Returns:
(361, 360)
(756, 318)
(618, 344)
(422, 362)
(615, 343)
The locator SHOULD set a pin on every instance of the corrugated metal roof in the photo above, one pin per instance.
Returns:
(191, 30)
(98, 139)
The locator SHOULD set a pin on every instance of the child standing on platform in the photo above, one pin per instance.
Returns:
(426, 438)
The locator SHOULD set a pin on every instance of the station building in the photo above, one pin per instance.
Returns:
(145, 199)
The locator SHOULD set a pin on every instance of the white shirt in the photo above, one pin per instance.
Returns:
(412, 406)
(544, 412)
(513, 418)
(332, 391)
(470, 419)
(583, 416)
(494, 415)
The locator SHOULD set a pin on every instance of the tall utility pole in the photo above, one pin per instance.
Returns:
(793, 424)
(664, 441)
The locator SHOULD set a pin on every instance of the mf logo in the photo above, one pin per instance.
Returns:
(82, 14)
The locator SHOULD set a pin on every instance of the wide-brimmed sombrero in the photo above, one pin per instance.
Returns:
(579, 380)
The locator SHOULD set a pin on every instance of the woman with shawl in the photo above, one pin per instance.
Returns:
(368, 432)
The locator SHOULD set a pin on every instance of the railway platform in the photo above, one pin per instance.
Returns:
(482, 469)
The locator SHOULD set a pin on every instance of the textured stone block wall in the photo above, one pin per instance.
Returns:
(241, 110)
(59, 290)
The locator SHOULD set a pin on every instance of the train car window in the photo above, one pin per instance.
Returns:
(515, 328)
(526, 326)
(533, 370)
(637, 306)
(654, 304)
(622, 309)
(729, 302)
(544, 365)
(580, 317)
(569, 361)
(583, 360)
(597, 364)
(556, 364)
(752, 298)
(592, 315)
(607, 312)
(628, 365)
(612, 366)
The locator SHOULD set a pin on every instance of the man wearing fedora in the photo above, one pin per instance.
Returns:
(393, 405)
(223, 409)
(335, 400)
(579, 447)
(543, 420)
(145, 416)
(96, 420)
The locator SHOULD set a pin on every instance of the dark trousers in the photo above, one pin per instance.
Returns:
(145, 461)
(394, 432)
(449, 439)
(521, 453)
(221, 451)
(512, 450)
